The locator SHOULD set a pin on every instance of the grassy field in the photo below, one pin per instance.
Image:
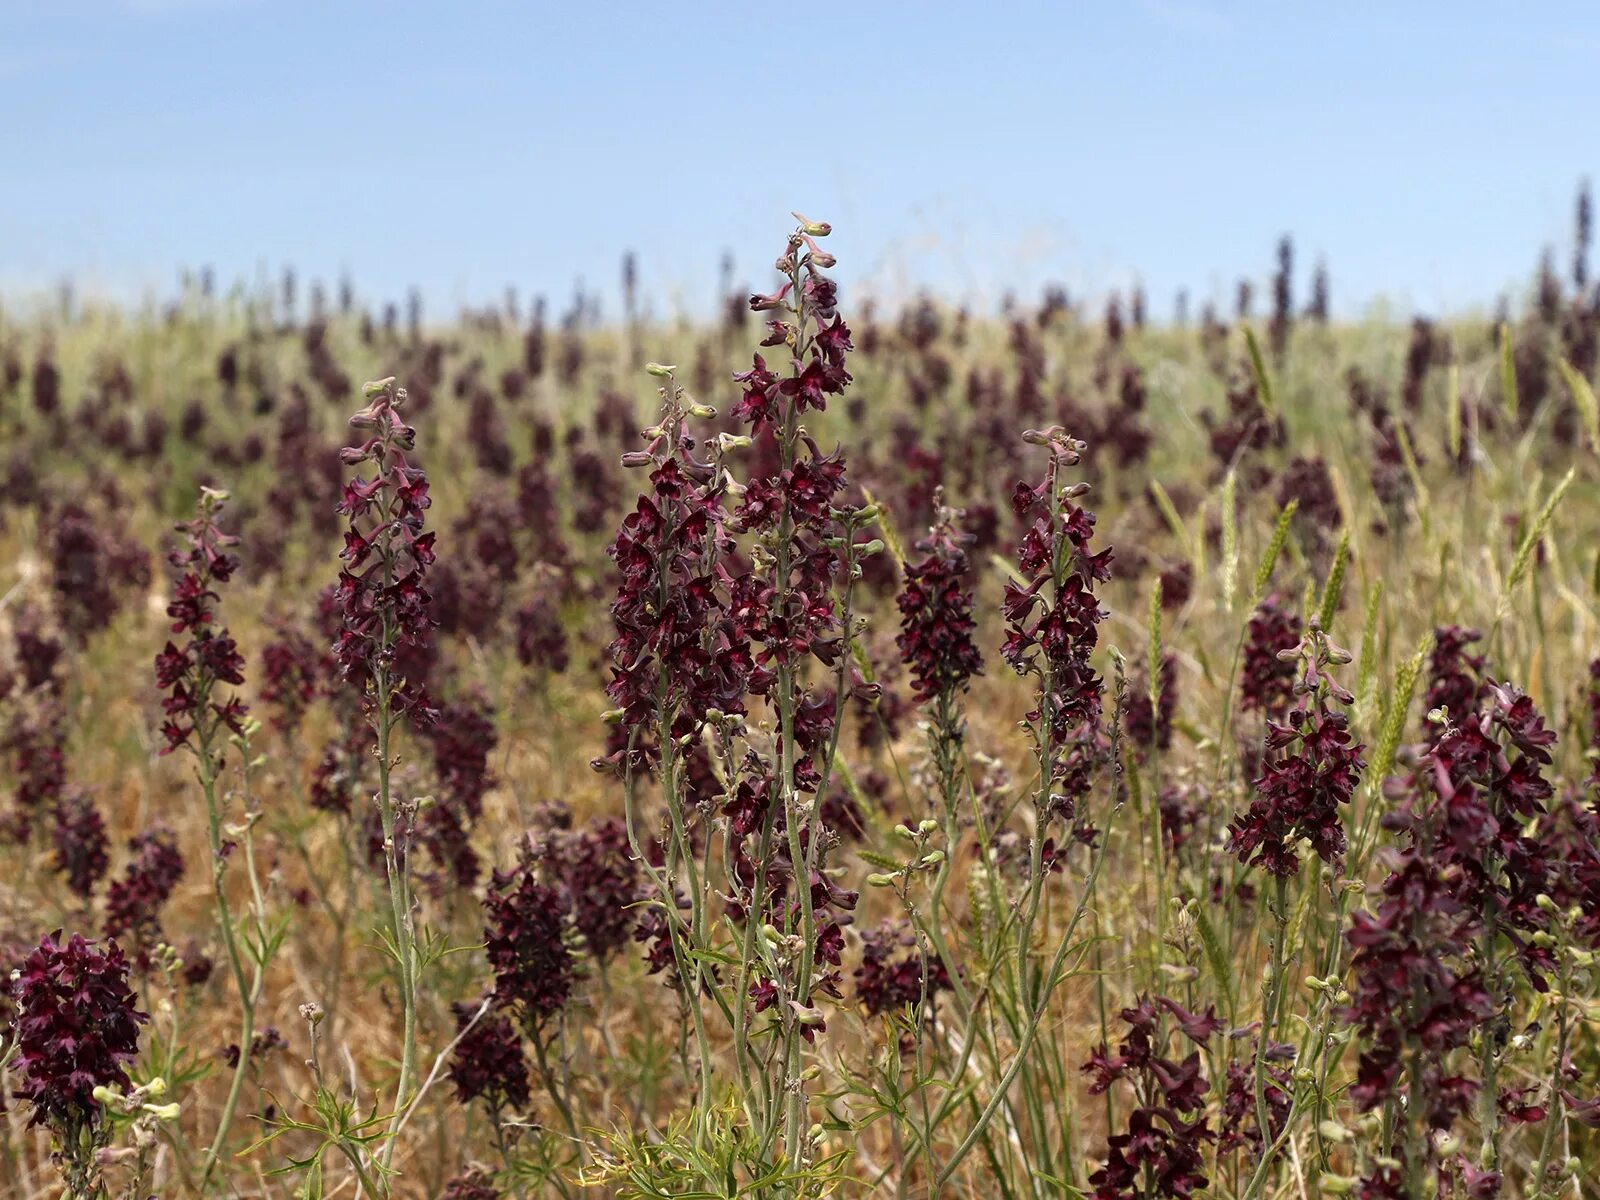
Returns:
(1265, 848)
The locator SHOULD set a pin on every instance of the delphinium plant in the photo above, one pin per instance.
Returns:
(202, 720)
(698, 634)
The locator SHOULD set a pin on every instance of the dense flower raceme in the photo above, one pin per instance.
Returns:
(1149, 726)
(192, 670)
(134, 902)
(1456, 680)
(936, 622)
(678, 652)
(1053, 617)
(1311, 771)
(1478, 853)
(488, 1063)
(80, 843)
(599, 880)
(77, 1029)
(1416, 996)
(525, 938)
(894, 973)
(461, 742)
(1489, 799)
(1266, 682)
(382, 592)
(1161, 1152)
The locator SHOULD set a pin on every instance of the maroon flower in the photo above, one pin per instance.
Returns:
(80, 842)
(1160, 1153)
(894, 973)
(134, 902)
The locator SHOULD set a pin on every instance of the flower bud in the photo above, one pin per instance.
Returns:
(660, 370)
(812, 228)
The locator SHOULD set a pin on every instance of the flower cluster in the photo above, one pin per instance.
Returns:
(1486, 776)
(1312, 769)
(1266, 682)
(525, 938)
(134, 902)
(77, 1029)
(1053, 616)
(595, 870)
(1415, 997)
(461, 742)
(293, 674)
(1160, 1154)
(208, 657)
(1148, 725)
(473, 1184)
(94, 566)
(677, 653)
(488, 1063)
(1456, 680)
(936, 614)
(382, 591)
(894, 973)
(80, 843)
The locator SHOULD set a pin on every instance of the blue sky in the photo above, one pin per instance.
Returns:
(1427, 151)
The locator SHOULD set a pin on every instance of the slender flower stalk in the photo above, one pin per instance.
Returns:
(383, 603)
(199, 720)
